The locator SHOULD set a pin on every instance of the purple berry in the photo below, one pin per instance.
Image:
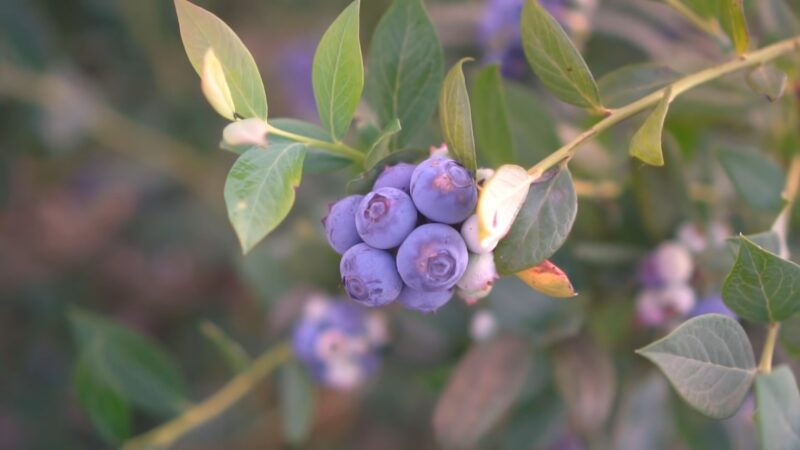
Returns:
(443, 190)
(340, 223)
(397, 176)
(385, 217)
(432, 258)
(369, 275)
(424, 301)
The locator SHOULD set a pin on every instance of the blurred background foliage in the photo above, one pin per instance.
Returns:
(111, 201)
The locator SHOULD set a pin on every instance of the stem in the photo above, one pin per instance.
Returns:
(781, 224)
(338, 148)
(765, 366)
(167, 434)
(678, 87)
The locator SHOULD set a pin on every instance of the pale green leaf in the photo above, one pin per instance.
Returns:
(756, 177)
(490, 118)
(260, 189)
(630, 83)
(778, 410)
(338, 72)
(455, 117)
(646, 143)
(768, 240)
(732, 19)
(709, 361)
(215, 86)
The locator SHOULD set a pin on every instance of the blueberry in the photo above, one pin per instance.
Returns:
(424, 301)
(478, 279)
(397, 176)
(340, 223)
(443, 190)
(369, 275)
(432, 258)
(385, 217)
(469, 231)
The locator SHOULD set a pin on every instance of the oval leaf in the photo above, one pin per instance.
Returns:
(455, 117)
(709, 361)
(555, 60)
(762, 287)
(260, 189)
(646, 143)
(548, 279)
(201, 31)
(731, 17)
(481, 389)
(778, 409)
(338, 72)
(541, 226)
(502, 197)
(756, 178)
(107, 410)
(768, 81)
(406, 68)
(492, 129)
(630, 83)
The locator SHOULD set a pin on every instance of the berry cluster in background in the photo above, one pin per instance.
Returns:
(414, 238)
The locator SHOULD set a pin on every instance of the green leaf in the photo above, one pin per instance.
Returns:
(554, 58)
(778, 410)
(128, 364)
(201, 31)
(317, 160)
(455, 117)
(790, 336)
(406, 68)
(107, 410)
(709, 361)
(767, 81)
(762, 287)
(492, 129)
(380, 148)
(542, 224)
(630, 83)
(731, 17)
(533, 130)
(768, 240)
(704, 8)
(260, 190)
(757, 178)
(232, 352)
(481, 390)
(646, 143)
(297, 403)
(338, 72)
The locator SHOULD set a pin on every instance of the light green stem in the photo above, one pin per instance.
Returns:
(337, 148)
(765, 366)
(168, 434)
(680, 86)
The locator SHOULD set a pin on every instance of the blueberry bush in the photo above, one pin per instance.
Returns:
(537, 234)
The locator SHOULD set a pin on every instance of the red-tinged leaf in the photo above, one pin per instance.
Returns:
(548, 279)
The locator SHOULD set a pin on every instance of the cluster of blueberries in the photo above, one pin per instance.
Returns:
(338, 342)
(401, 241)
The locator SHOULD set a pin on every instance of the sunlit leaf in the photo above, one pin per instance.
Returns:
(554, 58)
(646, 143)
(338, 72)
(709, 361)
(260, 189)
(455, 117)
(501, 199)
(778, 409)
(630, 83)
(768, 81)
(548, 279)
(490, 118)
(732, 19)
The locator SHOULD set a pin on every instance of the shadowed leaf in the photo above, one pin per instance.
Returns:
(455, 117)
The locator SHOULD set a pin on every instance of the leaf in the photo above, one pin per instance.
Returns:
(768, 81)
(363, 183)
(762, 287)
(661, 192)
(554, 58)
(731, 17)
(260, 190)
(646, 143)
(709, 361)
(768, 240)
(630, 83)
(790, 336)
(548, 279)
(232, 352)
(644, 419)
(533, 130)
(455, 117)
(215, 86)
(317, 160)
(201, 31)
(338, 72)
(755, 177)
(127, 363)
(492, 129)
(107, 410)
(379, 148)
(501, 199)
(406, 68)
(481, 390)
(778, 409)
(297, 403)
(704, 8)
(541, 226)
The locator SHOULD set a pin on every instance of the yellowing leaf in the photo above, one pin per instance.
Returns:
(646, 143)
(501, 199)
(215, 87)
(548, 279)
(734, 23)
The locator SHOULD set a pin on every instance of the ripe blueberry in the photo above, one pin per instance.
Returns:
(424, 301)
(432, 258)
(443, 190)
(369, 275)
(385, 217)
(397, 176)
(340, 224)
